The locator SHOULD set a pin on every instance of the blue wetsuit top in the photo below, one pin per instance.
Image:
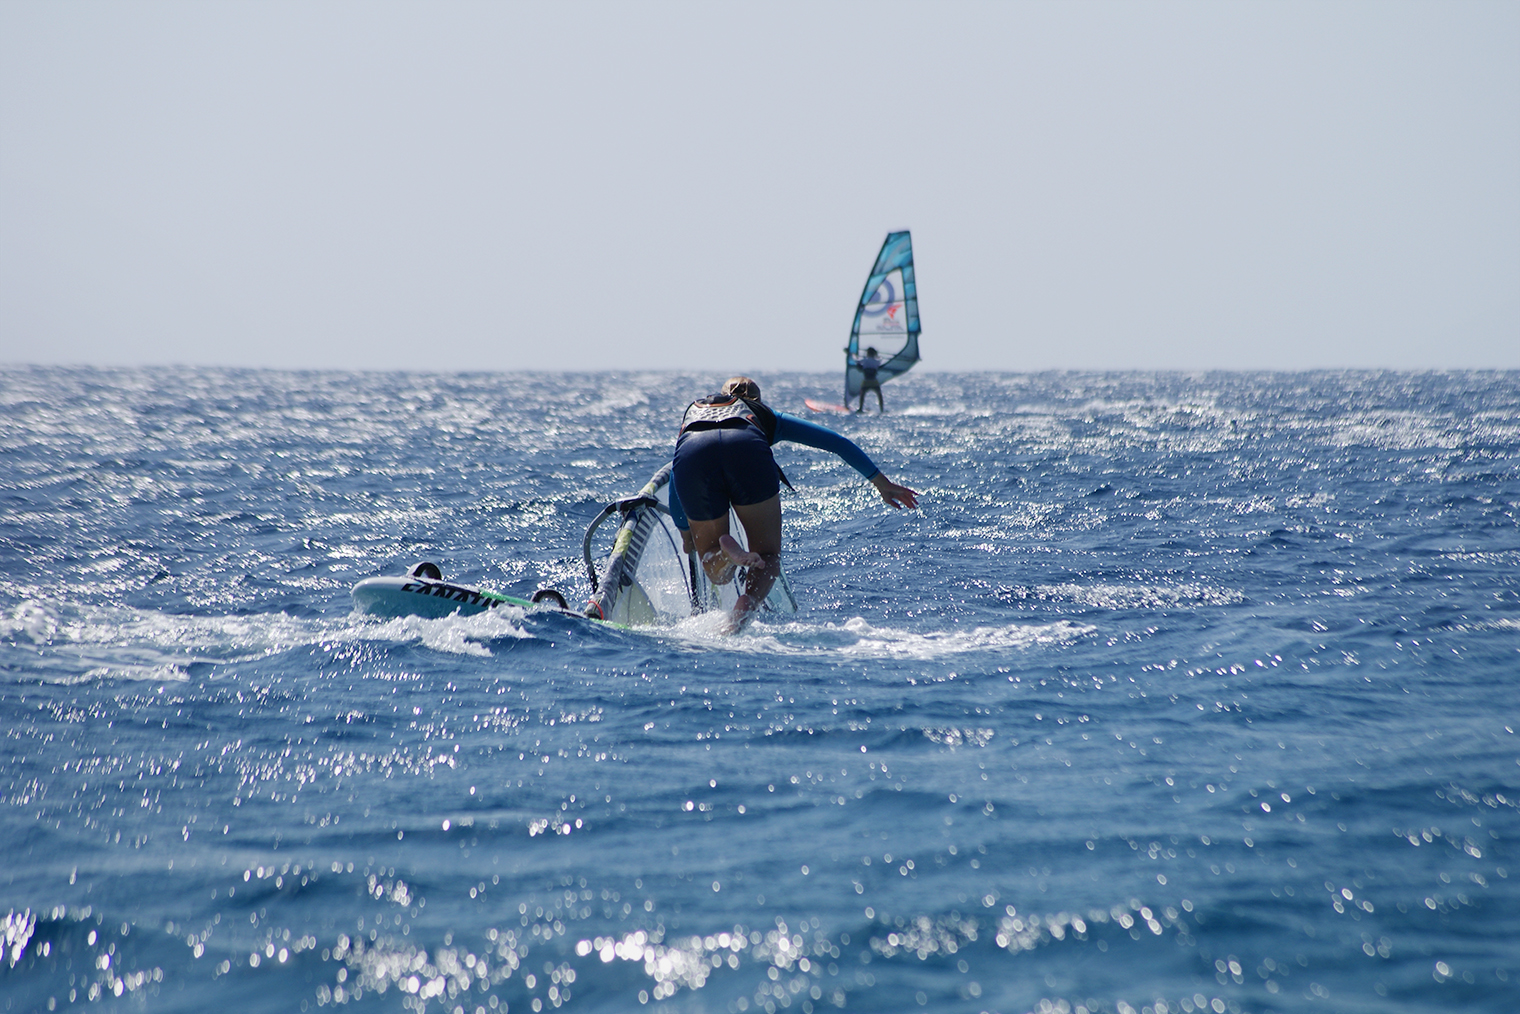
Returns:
(799, 431)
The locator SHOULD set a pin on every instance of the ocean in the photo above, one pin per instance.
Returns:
(1180, 692)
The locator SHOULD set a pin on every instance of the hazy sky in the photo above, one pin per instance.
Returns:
(704, 185)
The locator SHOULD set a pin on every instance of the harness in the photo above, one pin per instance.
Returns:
(717, 411)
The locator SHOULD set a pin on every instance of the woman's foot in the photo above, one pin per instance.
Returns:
(740, 556)
(717, 565)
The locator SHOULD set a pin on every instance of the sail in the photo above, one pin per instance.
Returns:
(887, 317)
(647, 577)
(638, 584)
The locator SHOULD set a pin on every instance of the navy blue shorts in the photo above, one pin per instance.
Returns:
(720, 467)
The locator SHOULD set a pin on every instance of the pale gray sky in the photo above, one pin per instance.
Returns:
(625, 185)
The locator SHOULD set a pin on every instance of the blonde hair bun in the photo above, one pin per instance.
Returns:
(742, 387)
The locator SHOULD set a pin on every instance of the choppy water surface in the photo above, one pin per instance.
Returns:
(1180, 693)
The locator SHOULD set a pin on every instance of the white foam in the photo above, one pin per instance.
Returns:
(888, 642)
(706, 627)
(930, 411)
(1117, 596)
(32, 619)
(168, 672)
(856, 638)
(140, 644)
(457, 635)
(135, 644)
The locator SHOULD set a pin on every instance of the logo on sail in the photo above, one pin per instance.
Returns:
(883, 300)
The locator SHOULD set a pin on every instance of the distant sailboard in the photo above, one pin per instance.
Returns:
(823, 406)
(645, 578)
(886, 318)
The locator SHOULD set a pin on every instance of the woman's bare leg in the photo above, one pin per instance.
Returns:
(707, 538)
(721, 553)
(762, 528)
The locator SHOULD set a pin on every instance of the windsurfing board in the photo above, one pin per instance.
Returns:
(434, 598)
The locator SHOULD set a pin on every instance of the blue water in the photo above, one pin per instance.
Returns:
(1180, 693)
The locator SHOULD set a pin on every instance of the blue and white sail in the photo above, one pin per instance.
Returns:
(887, 317)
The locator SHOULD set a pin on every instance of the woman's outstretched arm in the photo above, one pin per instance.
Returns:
(800, 431)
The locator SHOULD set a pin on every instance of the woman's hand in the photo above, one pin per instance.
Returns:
(688, 544)
(896, 496)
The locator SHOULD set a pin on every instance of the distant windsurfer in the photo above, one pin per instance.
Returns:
(723, 459)
(868, 365)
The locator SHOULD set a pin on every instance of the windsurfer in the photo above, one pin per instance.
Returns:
(869, 364)
(723, 459)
